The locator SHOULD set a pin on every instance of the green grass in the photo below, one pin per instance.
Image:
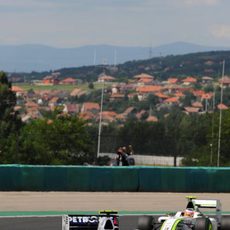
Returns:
(84, 86)
(60, 213)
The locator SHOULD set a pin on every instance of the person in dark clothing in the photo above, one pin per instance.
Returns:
(124, 157)
(119, 156)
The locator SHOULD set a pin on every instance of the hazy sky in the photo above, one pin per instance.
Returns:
(73, 23)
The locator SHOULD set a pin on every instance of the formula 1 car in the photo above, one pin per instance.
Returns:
(106, 219)
(190, 219)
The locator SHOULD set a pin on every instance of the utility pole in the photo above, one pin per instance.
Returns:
(220, 118)
(100, 120)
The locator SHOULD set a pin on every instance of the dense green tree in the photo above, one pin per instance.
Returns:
(10, 122)
(145, 137)
(63, 140)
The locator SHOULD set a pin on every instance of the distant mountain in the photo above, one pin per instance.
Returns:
(27, 58)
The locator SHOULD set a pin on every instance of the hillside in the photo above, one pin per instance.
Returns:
(196, 64)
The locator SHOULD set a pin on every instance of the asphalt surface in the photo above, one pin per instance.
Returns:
(20, 204)
(53, 223)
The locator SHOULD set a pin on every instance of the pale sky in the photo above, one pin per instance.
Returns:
(74, 23)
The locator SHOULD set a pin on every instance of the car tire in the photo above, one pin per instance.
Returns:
(225, 222)
(145, 223)
(202, 224)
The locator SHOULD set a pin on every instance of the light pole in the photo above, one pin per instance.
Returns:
(220, 117)
(100, 119)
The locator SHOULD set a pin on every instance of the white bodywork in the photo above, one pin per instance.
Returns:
(103, 221)
(170, 220)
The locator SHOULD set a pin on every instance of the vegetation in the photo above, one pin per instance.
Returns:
(196, 64)
(67, 140)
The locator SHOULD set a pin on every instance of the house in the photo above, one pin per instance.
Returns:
(87, 115)
(207, 96)
(116, 96)
(198, 93)
(141, 114)
(69, 81)
(50, 80)
(90, 106)
(225, 81)
(189, 110)
(71, 108)
(143, 76)
(171, 100)
(149, 89)
(105, 78)
(207, 80)
(129, 111)
(145, 81)
(197, 104)
(189, 81)
(108, 116)
(161, 95)
(172, 81)
(222, 107)
(17, 90)
(152, 118)
(53, 102)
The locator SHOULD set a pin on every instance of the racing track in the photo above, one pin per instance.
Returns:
(64, 202)
(53, 223)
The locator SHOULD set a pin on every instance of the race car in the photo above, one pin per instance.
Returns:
(189, 219)
(106, 219)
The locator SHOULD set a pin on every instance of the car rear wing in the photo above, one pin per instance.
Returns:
(209, 204)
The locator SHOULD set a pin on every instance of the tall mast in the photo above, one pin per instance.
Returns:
(100, 120)
(220, 117)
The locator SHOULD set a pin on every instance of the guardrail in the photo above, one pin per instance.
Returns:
(137, 178)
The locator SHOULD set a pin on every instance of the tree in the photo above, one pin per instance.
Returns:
(63, 140)
(91, 85)
(10, 122)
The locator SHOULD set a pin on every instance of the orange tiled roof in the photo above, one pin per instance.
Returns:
(225, 80)
(86, 115)
(87, 106)
(222, 106)
(190, 80)
(109, 114)
(207, 96)
(197, 104)
(145, 80)
(17, 89)
(198, 93)
(172, 80)
(143, 75)
(191, 109)
(140, 114)
(152, 119)
(149, 88)
(172, 100)
(106, 78)
(69, 80)
(121, 116)
(129, 110)
(161, 95)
